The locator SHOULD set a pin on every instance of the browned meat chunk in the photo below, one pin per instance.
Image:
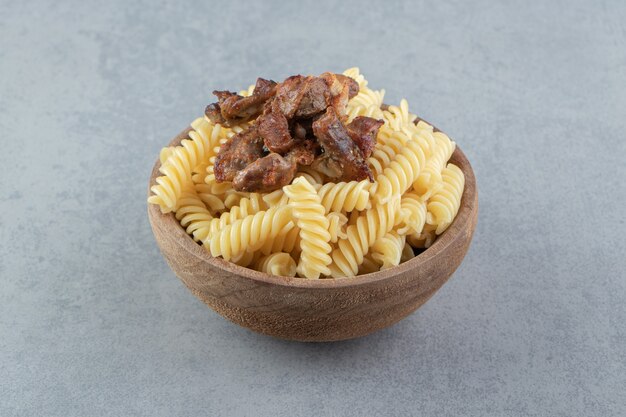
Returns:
(301, 122)
(303, 129)
(303, 152)
(336, 82)
(363, 131)
(341, 89)
(214, 113)
(328, 166)
(289, 94)
(237, 109)
(265, 174)
(339, 149)
(315, 98)
(234, 155)
(274, 129)
(353, 86)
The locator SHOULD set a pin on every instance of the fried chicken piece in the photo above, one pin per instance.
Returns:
(237, 109)
(234, 155)
(363, 131)
(265, 174)
(342, 158)
(274, 129)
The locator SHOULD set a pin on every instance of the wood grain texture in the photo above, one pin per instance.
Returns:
(316, 310)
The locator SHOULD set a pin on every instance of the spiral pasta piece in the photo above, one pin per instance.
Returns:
(370, 226)
(246, 258)
(424, 239)
(336, 226)
(398, 117)
(249, 233)
(344, 196)
(199, 173)
(314, 235)
(213, 202)
(401, 173)
(429, 178)
(178, 167)
(233, 198)
(287, 240)
(444, 204)
(280, 264)
(387, 250)
(165, 153)
(246, 207)
(389, 143)
(412, 214)
(407, 252)
(367, 102)
(193, 215)
(275, 198)
(369, 265)
(368, 111)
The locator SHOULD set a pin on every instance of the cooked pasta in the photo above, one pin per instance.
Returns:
(249, 233)
(407, 252)
(287, 240)
(370, 226)
(193, 215)
(369, 265)
(444, 204)
(388, 250)
(247, 207)
(345, 196)
(245, 258)
(276, 198)
(424, 239)
(166, 153)
(429, 178)
(337, 226)
(178, 167)
(314, 235)
(398, 117)
(213, 202)
(314, 227)
(412, 214)
(401, 172)
(279, 263)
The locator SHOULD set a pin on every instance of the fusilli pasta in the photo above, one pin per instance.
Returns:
(249, 233)
(444, 204)
(316, 228)
(280, 263)
(314, 235)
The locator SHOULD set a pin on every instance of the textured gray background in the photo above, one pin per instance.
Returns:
(92, 321)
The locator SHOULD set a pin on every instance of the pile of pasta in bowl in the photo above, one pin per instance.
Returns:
(312, 177)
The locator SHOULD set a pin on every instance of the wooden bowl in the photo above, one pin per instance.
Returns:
(316, 310)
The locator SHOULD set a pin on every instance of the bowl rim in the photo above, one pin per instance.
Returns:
(467, 209)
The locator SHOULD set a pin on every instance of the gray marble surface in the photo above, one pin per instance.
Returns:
(93, 322)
